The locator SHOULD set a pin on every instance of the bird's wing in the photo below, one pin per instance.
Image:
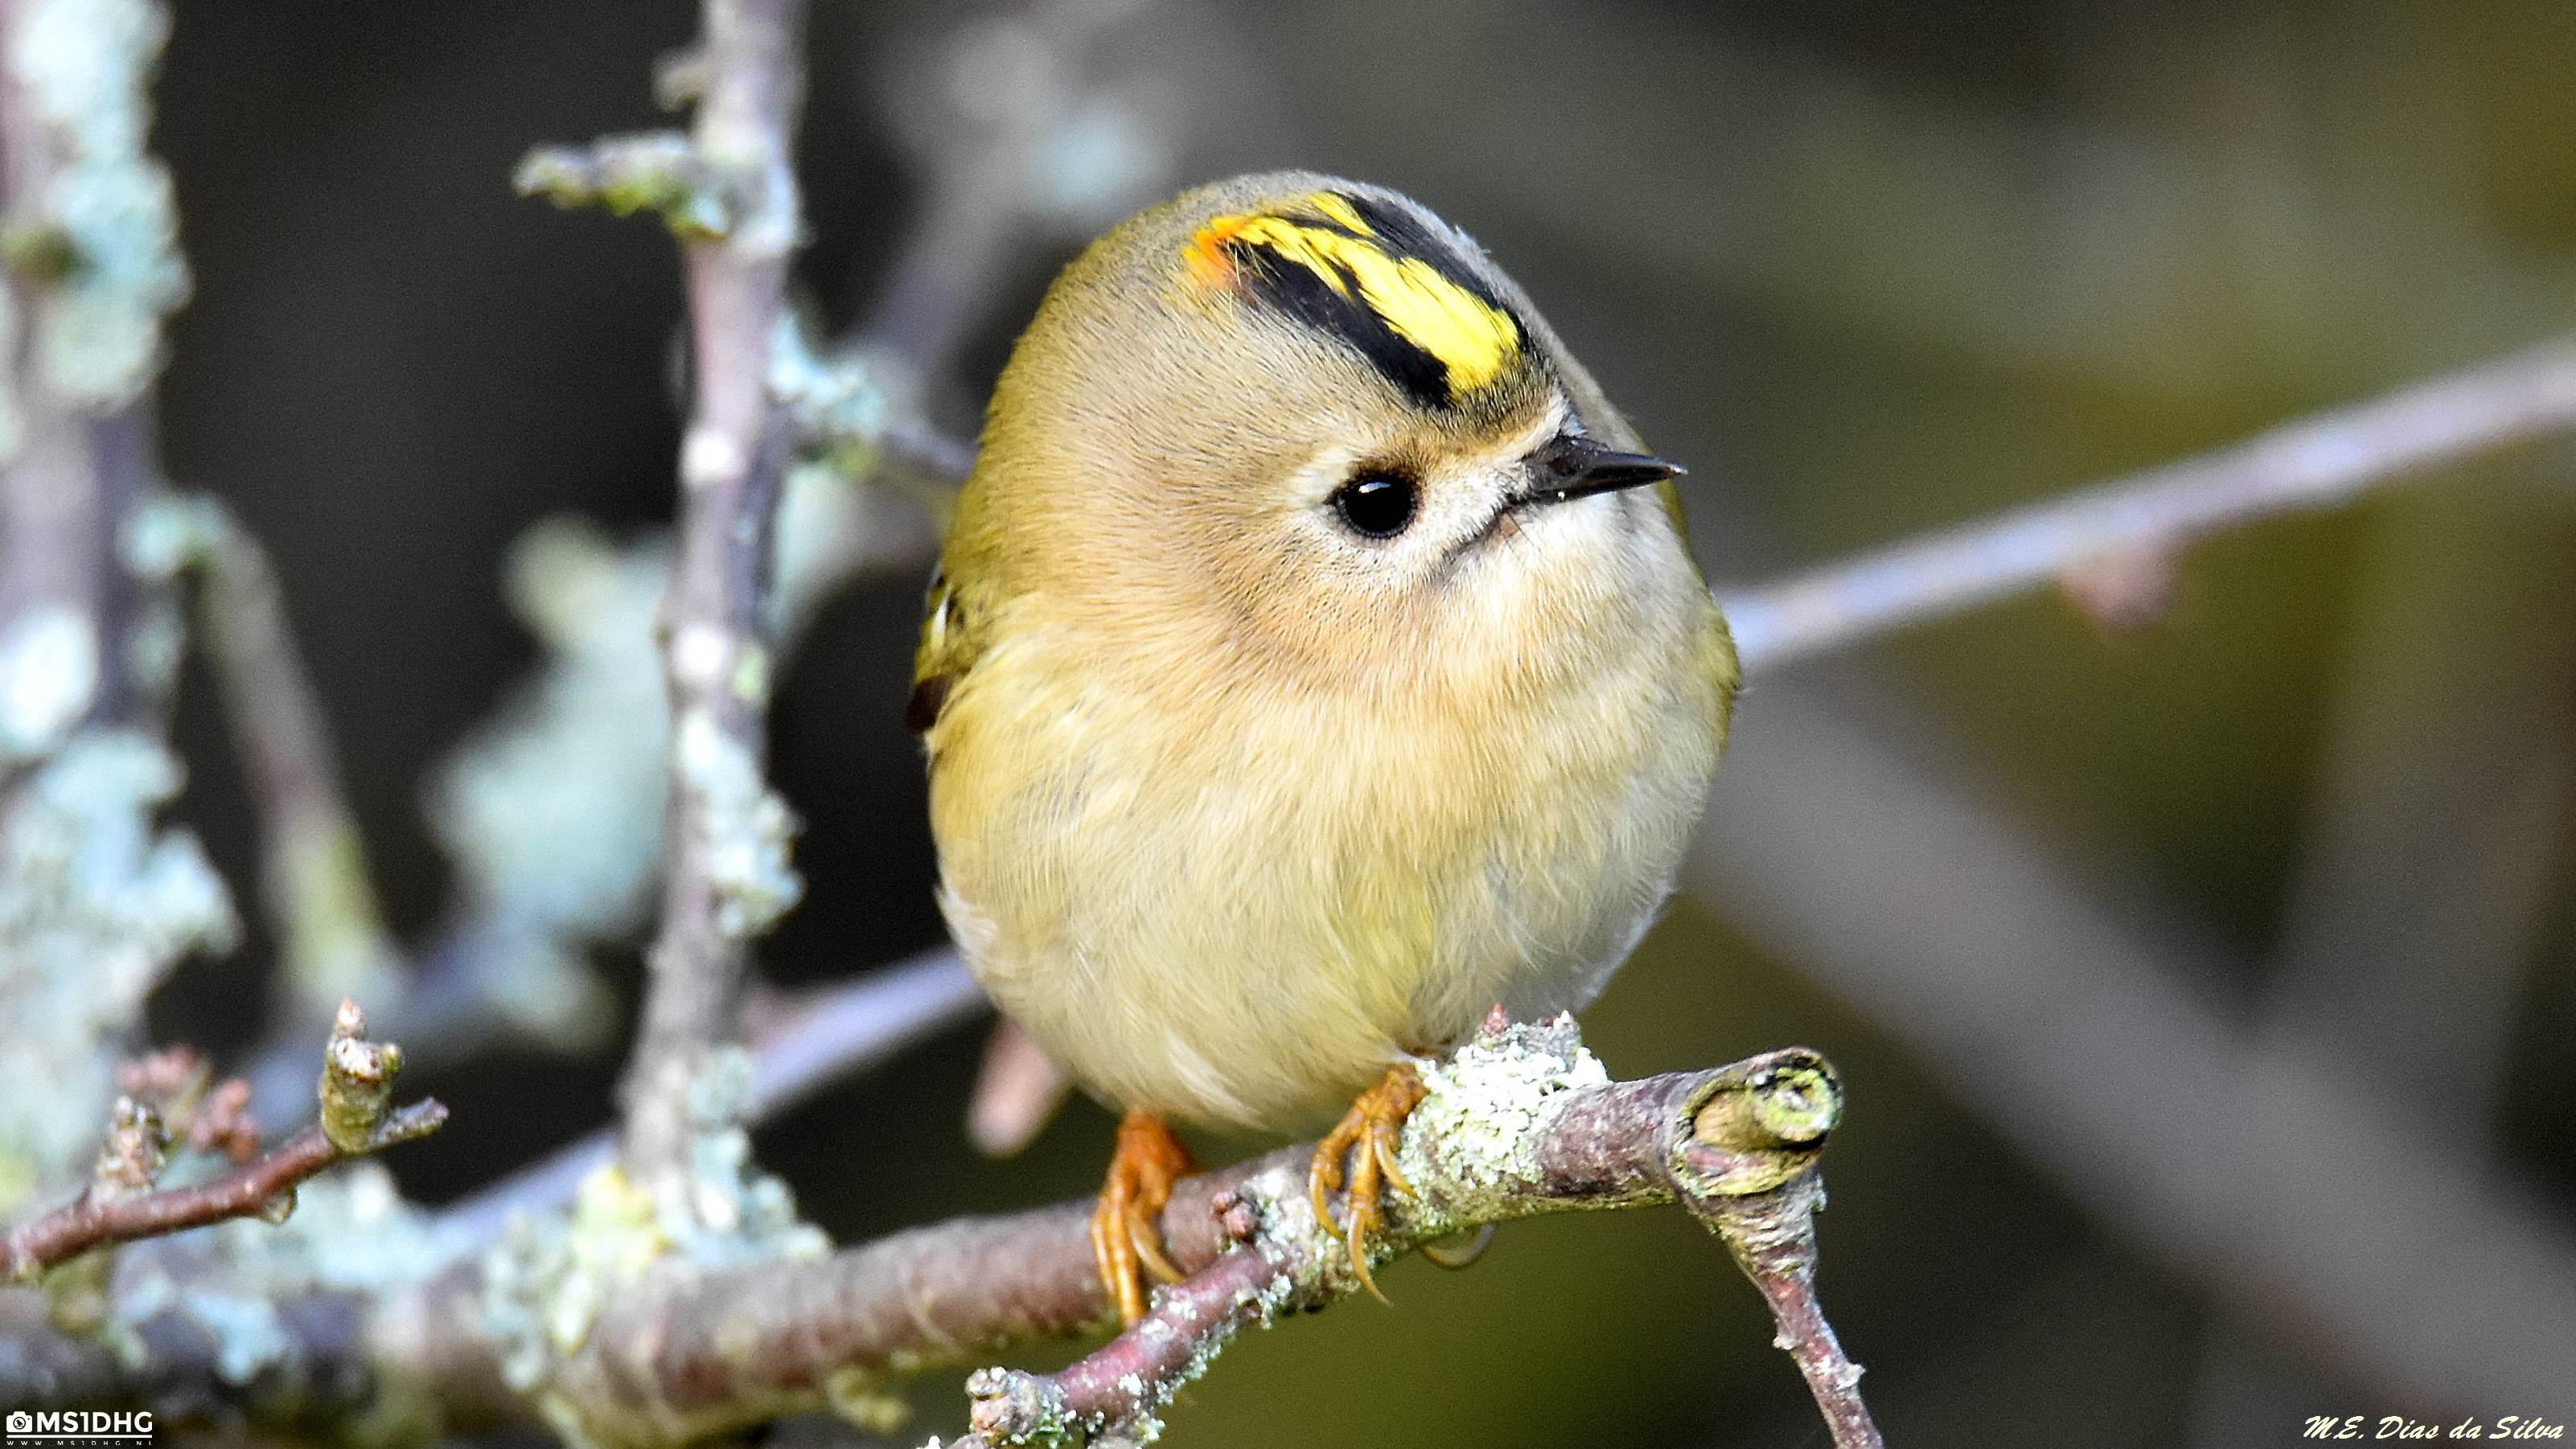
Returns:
(951, 641)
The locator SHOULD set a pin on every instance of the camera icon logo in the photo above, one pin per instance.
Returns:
(21, 1422)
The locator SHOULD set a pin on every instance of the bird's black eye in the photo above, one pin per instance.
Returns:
(1376, 505)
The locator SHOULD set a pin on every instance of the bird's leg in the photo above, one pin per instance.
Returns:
(1367, 1135)
(1126, 1234)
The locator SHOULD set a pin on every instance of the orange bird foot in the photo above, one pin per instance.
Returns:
(1366, 1136)
(1126, 1234)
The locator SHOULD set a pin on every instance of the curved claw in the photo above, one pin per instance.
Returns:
(1374, 1126)
(1459, 1250)
(1126, 1234)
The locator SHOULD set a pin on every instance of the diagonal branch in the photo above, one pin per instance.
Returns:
(2320, 461)
(817, 1038)
(358, 1118)
(320, 901)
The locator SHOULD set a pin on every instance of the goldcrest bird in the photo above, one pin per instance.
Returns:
(1314, 663)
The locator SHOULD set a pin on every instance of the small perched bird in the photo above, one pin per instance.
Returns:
(1314, 663)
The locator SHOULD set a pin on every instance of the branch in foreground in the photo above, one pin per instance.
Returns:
(1739, 1154)
(2316, 462)
(358, 1117)
(1521, 1122)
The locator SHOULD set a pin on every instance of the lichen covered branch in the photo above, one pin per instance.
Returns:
(88, 236)
(730, 194)
(727, 876)
(1739, 1153)
(123, 1205)
(1521, 1122)
(1122, 1387)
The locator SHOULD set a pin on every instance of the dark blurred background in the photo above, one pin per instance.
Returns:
(1867, 266)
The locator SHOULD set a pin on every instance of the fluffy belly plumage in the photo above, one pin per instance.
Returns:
(1245, 925)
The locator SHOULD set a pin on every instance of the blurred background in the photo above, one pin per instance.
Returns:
(1867, 267)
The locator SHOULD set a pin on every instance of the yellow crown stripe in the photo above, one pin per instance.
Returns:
(1338, 208)
(1320, 250)
(1475, 341)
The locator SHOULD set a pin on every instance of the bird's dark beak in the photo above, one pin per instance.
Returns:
(1575, 466)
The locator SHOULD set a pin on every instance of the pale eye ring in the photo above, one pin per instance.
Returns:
(1377, 504)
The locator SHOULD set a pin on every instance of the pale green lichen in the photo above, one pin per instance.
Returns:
(156, 640)
(546, 1283)
(858, 1397)
(553, 810)
(840, 407)
(1475, 1133)
(249, 1335)
(735, 1213)
(49, 672)
(85, 66)
(171, 533)
(97, 903)
(751, 676)
(351, 1232)
(748, 827)
(657, 171)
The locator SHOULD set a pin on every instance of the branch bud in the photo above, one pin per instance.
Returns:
(357, 1085)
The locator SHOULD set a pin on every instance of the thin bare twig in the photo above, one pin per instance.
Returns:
(358, 1118)
(1114, 1391)
(1773, 1237)
(2316, 462)
(927, 451)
